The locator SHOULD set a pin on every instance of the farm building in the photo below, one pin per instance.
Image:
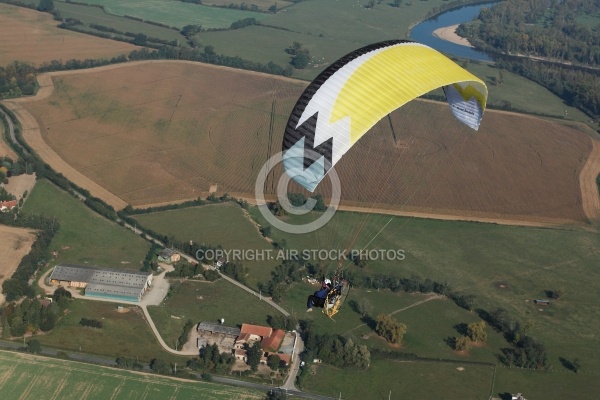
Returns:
(169, 256)
(273, 342)
(6, 206)
(104, 283)
(256, 332)
(542, 302)
(212, 328)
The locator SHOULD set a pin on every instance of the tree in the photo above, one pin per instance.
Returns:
(273, 361)
(190, 30)
(265, 231)
(477, 332)
(364, 307)
(396, 3)
(209, 50)
(555, 294)
(301, 59)
(34, 346)
(159, 366)
(140, 39)
(62, 297)
(388, 328)
(46, 5)
(276, 394)
(253, 354)
(278, 292)
(462, 343)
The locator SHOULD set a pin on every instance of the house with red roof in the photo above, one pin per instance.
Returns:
(272, 343)
(6, 206)
(256, 332)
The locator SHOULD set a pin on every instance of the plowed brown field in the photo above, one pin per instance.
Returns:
(32, 36)
(154, 132)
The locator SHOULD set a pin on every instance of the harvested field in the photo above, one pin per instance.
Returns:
(155, 132)
(17, 185)
(5, 149)
(26, 376)
(33, 37)
(15, 243)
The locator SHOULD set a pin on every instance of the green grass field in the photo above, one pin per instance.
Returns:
(95, 15)
(474, 258)
(26, 376)
(478, 259)
(123, 333)
(85, 237)
(218, 224)
(429, 324)
(399, 380)
(176, 13)
(205, 301)
(555, 384)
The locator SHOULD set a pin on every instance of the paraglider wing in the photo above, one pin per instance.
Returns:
(350, 96)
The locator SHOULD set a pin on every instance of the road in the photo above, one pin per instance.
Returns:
(11, 127)
(88, 358)
(161, 287)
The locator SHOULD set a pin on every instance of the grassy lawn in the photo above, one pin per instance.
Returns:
(204, 301)
(123, 333)
(397, 380)
(217, 224)
(33, 377)
(85, 237)
(429, 324)
(503, 266)
(557, 384)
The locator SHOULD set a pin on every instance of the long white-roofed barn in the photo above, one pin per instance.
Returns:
(103, 282)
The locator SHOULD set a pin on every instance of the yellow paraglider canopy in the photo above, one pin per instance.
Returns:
(350, 96)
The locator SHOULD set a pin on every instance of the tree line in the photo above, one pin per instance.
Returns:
(31, 316)
(545, 28)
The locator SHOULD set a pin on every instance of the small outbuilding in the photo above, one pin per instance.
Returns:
(169, 256)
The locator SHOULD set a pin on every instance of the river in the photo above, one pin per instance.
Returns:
(423, 32)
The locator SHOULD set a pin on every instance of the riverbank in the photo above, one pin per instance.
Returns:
(448, 33)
